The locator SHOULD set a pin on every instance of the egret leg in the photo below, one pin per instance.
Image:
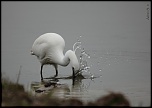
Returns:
(73, 76)
(41, 72)
(56, 69)
(73, 72)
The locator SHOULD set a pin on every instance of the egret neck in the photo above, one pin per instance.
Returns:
(70, 57)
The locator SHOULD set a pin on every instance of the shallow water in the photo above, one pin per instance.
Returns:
(120, 71)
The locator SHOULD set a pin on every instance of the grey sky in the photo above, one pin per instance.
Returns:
(102, 25)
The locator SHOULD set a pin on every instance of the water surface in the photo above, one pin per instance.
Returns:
(119, 71)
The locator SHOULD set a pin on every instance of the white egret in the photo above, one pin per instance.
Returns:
(49, 50)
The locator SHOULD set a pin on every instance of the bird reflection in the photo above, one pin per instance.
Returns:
(54, 86)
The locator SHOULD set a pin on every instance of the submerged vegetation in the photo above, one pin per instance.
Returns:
(13, 94)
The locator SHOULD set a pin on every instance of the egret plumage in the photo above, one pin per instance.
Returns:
(49, 49)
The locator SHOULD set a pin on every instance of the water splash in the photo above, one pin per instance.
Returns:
(77, 46)
(83, 57)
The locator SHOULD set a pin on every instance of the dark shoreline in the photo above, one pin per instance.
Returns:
(13, 94)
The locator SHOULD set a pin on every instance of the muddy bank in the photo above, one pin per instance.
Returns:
(14, 95)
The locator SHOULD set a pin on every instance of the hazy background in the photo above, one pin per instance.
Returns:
(104, 26)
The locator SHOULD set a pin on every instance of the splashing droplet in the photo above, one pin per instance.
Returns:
(98, 63)
(92, 76)
(94, 54)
